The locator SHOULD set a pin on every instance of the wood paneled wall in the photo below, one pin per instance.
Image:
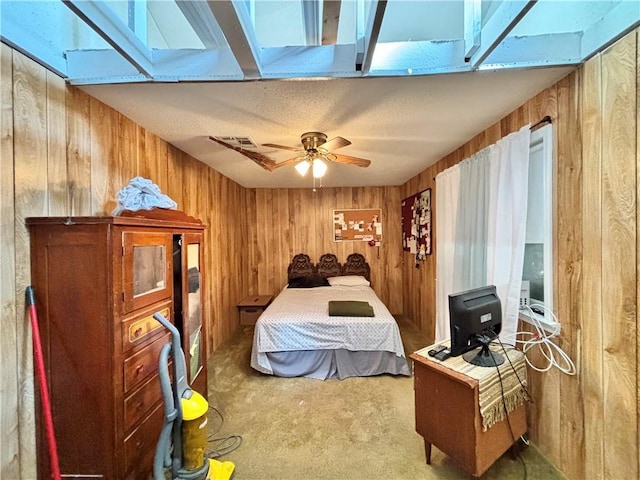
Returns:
(586, 424)
(285, 222)
(65, 153)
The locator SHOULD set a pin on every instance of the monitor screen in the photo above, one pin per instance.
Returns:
(473, 314)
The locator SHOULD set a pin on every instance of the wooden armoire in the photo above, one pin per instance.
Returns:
(98, 282)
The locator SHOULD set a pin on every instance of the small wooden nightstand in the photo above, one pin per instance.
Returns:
(448, 416)
(251, 308)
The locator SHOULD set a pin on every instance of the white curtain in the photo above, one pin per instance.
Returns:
(446, 204)
(480, 227)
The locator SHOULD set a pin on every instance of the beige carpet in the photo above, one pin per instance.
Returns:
(357, 428)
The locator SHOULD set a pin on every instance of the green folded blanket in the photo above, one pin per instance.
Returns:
(349, 308)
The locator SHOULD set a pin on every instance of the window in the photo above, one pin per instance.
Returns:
(537, 272)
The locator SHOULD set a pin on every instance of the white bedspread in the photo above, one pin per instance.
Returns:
(298, 319)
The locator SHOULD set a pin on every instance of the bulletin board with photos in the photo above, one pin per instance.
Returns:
(416, 223)
(358, 225)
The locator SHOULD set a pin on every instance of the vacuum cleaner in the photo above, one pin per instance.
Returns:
(183, 439)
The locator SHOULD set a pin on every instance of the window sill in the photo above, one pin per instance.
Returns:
(547, 325)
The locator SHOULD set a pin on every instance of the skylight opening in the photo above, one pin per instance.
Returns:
(161, 40)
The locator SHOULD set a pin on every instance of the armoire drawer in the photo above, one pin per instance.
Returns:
(140, 402)
(142, 327)
(143, 364)
(140, 446)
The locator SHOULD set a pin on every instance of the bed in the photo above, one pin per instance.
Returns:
(296, 337)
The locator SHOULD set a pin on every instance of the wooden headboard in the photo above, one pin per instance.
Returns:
(357, 265)
(328, 266)
(301, 266)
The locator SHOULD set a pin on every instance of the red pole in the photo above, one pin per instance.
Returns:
(42, 382)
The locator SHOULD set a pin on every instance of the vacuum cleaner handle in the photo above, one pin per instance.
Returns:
(179, 362)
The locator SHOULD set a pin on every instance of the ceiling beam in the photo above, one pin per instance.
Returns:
(138, 17)
(472, 13)
(203, 22)
(330, 21)
(15, 31)
(214, 64)
(549, 49)
(238, 30)
(104, 22)
(419, 58)
(87, 67)
(91, 67)
(503, 20)
(616, 24)
(311, 22)
(374, 22)
(306, 62)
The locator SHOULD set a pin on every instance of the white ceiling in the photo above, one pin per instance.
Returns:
(406, 81)
(402, 124)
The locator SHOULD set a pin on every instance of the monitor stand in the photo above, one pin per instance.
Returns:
(485, 357)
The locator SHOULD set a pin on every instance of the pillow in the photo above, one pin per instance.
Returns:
(348, 281)
(308, 282)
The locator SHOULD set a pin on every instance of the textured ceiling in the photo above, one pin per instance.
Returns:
(402, 124)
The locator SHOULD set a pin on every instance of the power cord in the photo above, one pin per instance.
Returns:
(223, 445)
(506, 411)
(522, 384)
(554, 355)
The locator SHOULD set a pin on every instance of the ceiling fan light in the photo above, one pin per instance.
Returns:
(319, 168)
(302, 167)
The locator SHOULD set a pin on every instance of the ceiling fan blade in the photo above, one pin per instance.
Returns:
(335, 143)
(358, 162)
(290, 161)
(281, 147)
(262, 160)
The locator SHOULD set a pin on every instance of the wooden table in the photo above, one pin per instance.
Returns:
(252, 307)
(448, 416)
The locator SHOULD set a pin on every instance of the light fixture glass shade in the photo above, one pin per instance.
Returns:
(319, 168)
(302, 167)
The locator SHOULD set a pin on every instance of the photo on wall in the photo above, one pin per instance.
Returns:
(416, 223)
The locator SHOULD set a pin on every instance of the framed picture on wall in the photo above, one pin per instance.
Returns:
(416, 223)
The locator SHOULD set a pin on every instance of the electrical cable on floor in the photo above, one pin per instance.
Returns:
(554, 355)
(221, 419)
(506, 414)
(224, 445)
(544, 341)
(522, 384)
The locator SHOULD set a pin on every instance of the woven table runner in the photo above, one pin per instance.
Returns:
(490, 386)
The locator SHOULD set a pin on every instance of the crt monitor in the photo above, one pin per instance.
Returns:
(475, 319)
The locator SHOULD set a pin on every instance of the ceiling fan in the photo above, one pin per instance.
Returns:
(315, 149)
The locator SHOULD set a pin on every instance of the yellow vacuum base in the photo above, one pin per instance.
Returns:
(220, 470)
